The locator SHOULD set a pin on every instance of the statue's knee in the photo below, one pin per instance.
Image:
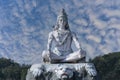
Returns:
(83, 53)
(44, 54)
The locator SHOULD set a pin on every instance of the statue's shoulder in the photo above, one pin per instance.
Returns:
(54, 31)
(73, 33)
(51, 33)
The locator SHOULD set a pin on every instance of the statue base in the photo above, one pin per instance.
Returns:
(63, 71)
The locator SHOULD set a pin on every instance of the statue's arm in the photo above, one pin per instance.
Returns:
(50, 39)
(75, 39)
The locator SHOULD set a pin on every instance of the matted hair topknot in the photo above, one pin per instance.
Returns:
(62, 14)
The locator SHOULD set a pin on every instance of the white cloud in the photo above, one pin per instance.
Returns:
(85, 31)
(81, 22)
(100, 24)
(102, 33)
(89, 50)
(106, 50)
(98, 2)
(113, 20)
(23, 22)
(118, 42)
(78, 3)
(117, 33)
(111, 13)
(15, 13)
(93, 38)
(34, 2)
(97, 31)
(28, 8)
(115, 26)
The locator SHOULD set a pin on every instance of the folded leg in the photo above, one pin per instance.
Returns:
(51, 57)
(75, 56)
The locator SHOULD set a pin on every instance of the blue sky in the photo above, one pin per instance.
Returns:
(25, 24)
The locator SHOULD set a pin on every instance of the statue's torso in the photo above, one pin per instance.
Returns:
(63, 42)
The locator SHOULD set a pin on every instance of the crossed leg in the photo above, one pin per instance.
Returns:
(52, 57)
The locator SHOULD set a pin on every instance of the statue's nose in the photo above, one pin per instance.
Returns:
(64, 70)
(62, 21)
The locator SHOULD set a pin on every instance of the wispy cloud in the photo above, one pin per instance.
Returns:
(95, 22)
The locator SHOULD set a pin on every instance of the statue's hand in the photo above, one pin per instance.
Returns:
(49, 55)
(80, 50)
(57, 52)
(37, 70)
(83, 52)
(91, 70)
(48, 51)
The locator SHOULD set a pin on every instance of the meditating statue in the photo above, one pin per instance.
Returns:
(63, 55)
(62, 38)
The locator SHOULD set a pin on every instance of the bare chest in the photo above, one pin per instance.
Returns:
(61, 37)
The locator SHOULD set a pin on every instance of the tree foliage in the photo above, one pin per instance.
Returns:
(108, 66)
(9, 70)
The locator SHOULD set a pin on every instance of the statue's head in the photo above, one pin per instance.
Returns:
(64, 72)
(62, 20)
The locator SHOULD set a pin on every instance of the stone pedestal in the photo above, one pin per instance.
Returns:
(66, 71)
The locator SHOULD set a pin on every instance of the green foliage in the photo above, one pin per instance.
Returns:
(108, 66)
(9, 70)
(24, 70)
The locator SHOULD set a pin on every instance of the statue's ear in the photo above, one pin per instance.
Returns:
(53, 26)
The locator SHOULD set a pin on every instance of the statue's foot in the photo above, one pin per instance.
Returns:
(46, 60)
(80, 60)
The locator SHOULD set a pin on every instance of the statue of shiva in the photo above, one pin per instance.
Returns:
(63, 37)
(62, 54)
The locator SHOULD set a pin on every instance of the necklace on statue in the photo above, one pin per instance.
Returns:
(62, 35)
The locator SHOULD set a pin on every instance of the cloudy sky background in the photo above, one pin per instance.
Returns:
(25, 24)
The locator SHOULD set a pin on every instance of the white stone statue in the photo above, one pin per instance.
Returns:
(62, 37)
(63, 55)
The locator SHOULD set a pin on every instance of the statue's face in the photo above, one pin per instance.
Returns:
(64, 73)
(62, 22)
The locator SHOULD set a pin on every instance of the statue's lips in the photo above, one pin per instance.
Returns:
(64, 74)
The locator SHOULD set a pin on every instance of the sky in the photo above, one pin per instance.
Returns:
(25, 25)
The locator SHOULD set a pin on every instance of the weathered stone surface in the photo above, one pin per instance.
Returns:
(66, 71)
